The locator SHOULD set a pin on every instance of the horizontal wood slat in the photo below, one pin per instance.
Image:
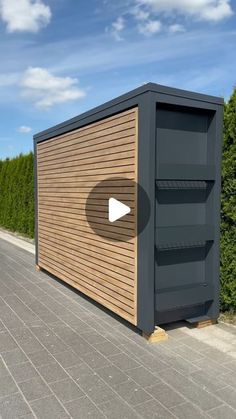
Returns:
(99, 150)
(94, 130)
(111, 264)
(68, 168)
(89, 244)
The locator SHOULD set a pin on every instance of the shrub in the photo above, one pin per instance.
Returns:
(17, 194)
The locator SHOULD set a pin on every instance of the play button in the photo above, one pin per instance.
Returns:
(117, 210)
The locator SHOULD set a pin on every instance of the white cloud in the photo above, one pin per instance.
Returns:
(24, 129)
(211, 10)
(117, 27)
(150, 27)
(24, 15)
(176, 28)
(140, 14)
(45, 90)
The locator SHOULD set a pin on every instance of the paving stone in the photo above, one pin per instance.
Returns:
(4, 291)
(195, 344)
(231, 366)
(187, 411)
(2, 328)
(48, 408)
(188, 354)
(229, 379)
(93, 338)
(49, 339)
(52, 372)
(210, 366)
(153, 363)
(79, 370)
(67, 359)
(107, 348)
(34, 389)
(182, 365)
(112, 375)
(6, 342)
(116, 338)
(176, 330)
(3, 369)
(134, 349)
(83, 408)
(23, 372)
(223, 411)
(26, 340)
(190, 390)
(123, 361)
(9, 318)
(96, 360)
(65, 333)
(153, 409)
(24, 313)
(117, 409)
(165, 395)
(218, 356)
(132, 393)
(7, 386)
(142, 376)
(95, 388)
(207, 381)
(41, 358)
(13, 406)
(81, 347)
(66, 390)
(227, 395)
(16, 356)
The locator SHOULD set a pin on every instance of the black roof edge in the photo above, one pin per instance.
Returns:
(148, 87)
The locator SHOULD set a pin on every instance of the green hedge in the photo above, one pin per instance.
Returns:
(228, 209)
(17, 202)
(17, 194)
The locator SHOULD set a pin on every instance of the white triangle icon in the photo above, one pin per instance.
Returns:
(117, 210)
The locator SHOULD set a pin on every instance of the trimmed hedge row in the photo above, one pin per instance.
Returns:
(17, 194)
(17, 202)
(228, 209)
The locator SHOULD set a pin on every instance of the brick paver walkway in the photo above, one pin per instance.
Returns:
(62, 356)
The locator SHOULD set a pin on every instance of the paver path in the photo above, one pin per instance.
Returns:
(63, 356)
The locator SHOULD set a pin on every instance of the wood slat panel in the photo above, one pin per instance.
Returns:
(68, 167)
(107, 126)
(92, 246)
(100, 259)
(98, 151)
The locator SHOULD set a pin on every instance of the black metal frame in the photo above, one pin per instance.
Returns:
(146, 98)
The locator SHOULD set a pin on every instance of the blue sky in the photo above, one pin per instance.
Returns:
(60, 58)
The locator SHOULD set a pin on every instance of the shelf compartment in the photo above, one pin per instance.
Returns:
(183, 236)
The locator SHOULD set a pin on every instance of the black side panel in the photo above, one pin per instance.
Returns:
(185, 233)
(146, 239)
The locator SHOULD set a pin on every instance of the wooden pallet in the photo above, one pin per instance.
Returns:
(159, 335)
(205, 323)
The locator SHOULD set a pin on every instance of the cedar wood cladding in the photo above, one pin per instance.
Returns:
(69, 166)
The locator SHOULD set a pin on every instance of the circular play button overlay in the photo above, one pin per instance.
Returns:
(112, 209)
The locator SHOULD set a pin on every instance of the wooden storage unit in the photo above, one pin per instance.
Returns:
(169, 142)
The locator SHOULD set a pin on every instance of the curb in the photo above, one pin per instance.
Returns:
(20, 242)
